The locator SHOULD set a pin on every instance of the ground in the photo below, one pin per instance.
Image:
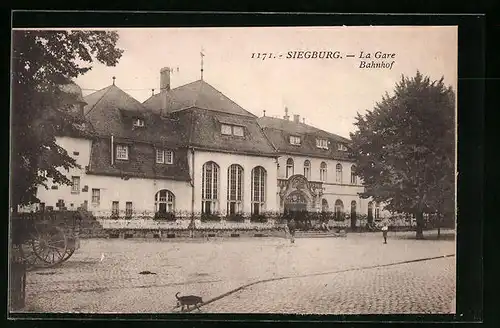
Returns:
(357, 274)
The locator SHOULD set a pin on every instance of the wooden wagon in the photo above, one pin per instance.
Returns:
(45, 239)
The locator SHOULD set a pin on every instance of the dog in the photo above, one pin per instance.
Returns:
(188, 300)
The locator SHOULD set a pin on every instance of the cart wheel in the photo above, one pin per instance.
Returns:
(67, 255)
(50, 245)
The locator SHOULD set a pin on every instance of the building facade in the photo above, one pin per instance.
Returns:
(191, 149)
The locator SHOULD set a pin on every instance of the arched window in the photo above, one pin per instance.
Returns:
(324, 205)
(338, 170)
(354, 178)
(289, 168)
(210, 188)
(164, 201)
(370, 211)
(259, 176)
(235, 189)
(339, 209)
(307, 169)
(322, 172)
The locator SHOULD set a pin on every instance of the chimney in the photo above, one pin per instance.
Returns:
(286, 117)
(165, 79)
(296, 118)
(304, 120)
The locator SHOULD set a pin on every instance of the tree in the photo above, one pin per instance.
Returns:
(405, 149)
(42, 62)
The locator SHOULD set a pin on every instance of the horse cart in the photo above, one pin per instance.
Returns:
(46, 238)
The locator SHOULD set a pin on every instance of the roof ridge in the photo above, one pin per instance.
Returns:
(95, 104)
(219, 92)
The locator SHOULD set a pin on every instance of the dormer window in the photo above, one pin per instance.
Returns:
(122, 152)
(294, 140)
(138, 122)
(322, 143)
(164, 156)
(235, 130)
(342, 147)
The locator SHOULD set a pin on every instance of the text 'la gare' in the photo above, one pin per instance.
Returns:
(377, 55)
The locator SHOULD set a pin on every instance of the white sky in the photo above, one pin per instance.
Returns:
(328, 93)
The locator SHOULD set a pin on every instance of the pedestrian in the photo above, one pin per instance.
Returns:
(291, 228)
(192, 228)
(384, 229)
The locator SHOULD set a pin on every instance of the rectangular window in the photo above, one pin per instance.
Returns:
(75, 185)
(238, 131)
(294, 140)
(128, 209)
(115, 208)
(226, 129)
(160, 158)
(96, 196)
(122, 152)
(164, 156)
(322, 143)
(169, 157)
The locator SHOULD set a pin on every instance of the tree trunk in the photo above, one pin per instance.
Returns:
(419, 216)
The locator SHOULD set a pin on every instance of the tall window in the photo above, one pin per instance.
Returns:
(338, 171)
(75, 185)
(115, 208)
(322, 171)
(377, 212)
(258, 189)
(128, 209)
(164, 156)
(354, 178)
(164, 201)
(289, 168)
(210, 188)
(235, 189)
(96, 196)
(122, 152)
(307, 169)
(339, 209)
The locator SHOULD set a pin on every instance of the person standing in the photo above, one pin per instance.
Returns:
(384, 229)
(292, 227)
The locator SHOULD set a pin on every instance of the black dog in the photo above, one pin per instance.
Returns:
(188, 301)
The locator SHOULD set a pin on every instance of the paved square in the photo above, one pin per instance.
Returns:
(103, 276)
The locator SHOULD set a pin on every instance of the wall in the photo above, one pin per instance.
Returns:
(141, 192)
(248, 163)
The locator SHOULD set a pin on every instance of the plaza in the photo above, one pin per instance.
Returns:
(357, 274)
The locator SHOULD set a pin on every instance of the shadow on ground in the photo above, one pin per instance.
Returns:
(446, 235)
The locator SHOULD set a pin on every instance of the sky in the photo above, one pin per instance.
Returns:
(328, 93)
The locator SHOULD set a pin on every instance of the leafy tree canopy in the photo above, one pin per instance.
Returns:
(405, 148)
(42, 62)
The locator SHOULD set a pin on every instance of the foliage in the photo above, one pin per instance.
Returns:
(405, 148)
(164, 216)
(235, 217)
(207, 217)
(42, 62)
(262, 218)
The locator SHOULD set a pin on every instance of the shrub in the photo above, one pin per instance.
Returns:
(205, 217)
(235, 217)
(164, 216)
(262, 218)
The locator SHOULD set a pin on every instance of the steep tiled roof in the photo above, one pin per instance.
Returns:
(112, 113)
(198, 94)
(278, 131)
(205, 132)
(141, 162)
